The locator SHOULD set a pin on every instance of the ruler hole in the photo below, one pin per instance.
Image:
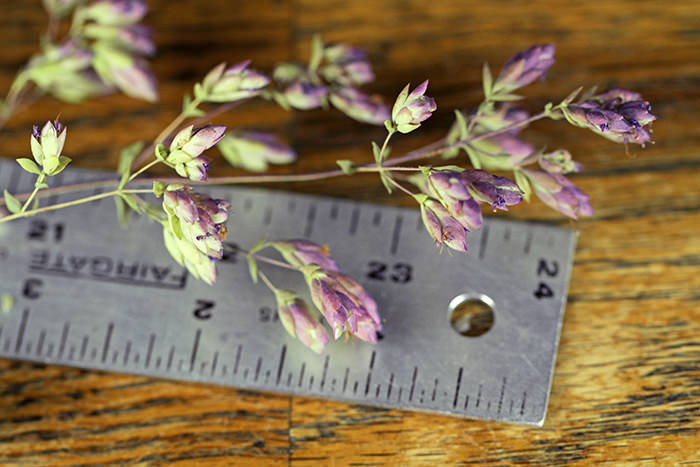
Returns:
(471, 315)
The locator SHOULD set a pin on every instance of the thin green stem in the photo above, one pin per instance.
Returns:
(400, 186)
(264, 259)
(67, 204)
(143, 169)
(29, 200)
(267, 281)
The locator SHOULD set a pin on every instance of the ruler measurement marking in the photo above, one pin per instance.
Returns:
(71, 353)
(432, 398)
(83, 347)
(528, 241)
(40, 345)
(280, 366)
(369, 373)
(108, 337)
(64, 337)
(310, 217)
(377, 219)
(136, 357)
(214, 362)
(267, 217)
(149, 352)
(301, 373)
(506, 234)
(345, 378)
(483, 241)
(93, 353)
(391, 382)
(396, 234)
(115, 355)
(195, 347)
(289, 379)
(49, 353)
(398, 399)
(354, 387)
(522, 406)
(378, 388)
(459, 381)
(20, 331)
(422, 394)
(325, 372)
(311, 381)
(158, 362)
(171, 354)
(466, 402)
(478, 396)
(510, 410)
(28, 347)
(500, 397)
(334, 211)
(354, 219)
(127, 351)
(238, 359)
(413, 383)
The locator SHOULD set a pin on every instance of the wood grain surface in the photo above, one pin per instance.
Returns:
(626, 387)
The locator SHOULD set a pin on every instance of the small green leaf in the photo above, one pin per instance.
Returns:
(461, 123)
(347, 166)
(126, 159)
(316, 52)
(154, 211)
(523, 183)
(570, 98)
(29, 165)
(426, 169)
(506, 97)
(41, 185)
(122, 211)
(8, 301)
(63, 162)
(253, 269)
(377, 151)
(473, 157)
(199, 92)
(487, 81)
(390, 126)
(12, 203)
(159, 188)
(131, 201)
(386, 181)
(161, 152)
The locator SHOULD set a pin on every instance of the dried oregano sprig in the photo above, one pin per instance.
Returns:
(450, 197)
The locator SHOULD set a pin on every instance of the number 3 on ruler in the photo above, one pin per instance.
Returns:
(544, 268)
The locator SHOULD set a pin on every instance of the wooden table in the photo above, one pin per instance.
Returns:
(627, 381)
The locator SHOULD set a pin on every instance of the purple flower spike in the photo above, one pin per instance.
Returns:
(116, 12)
(186, 149)
(442, 226)
(360, 106)
(559, 161)
(448, 186)
(302, 253)
(194, 233)
(231, 84)
(525, 67)
(346, 308)
(410, 109)
(347, 66)
(305, 96)
(502, 116)
(299, 322)
(560, 193)
(499, 192)
(619, 115)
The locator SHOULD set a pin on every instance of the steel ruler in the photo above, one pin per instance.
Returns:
(90, 294)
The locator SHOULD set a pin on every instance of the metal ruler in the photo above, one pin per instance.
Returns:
(93, 295)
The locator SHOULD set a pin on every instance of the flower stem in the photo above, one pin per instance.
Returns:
(264, 259)
(67, 204)
(143, 169)
(29, 200)
(400, 187)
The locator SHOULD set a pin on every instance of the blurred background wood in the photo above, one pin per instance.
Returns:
(627, 382)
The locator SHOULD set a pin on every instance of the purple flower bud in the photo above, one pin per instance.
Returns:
(347, 66)
(254, 150)
(186, 149)
(299, 322)
(504, 151)
(302, 252)
(360, 106)
(132, 75)
(559, 161)
(618, 114)
(137, 38)
(194, 233)
(116, 12)
(347, 309)
(499, 192)
(305, 96)
(559, 193)
(525, 67)
(410, 109)
(231, 84)
(449, 188)
(442, 226)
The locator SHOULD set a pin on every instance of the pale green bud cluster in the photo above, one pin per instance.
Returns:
(47, 145)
